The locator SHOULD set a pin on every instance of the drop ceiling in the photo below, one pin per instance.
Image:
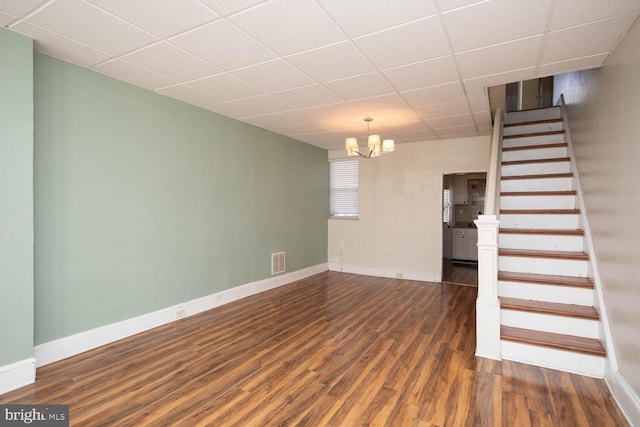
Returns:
(313, 69)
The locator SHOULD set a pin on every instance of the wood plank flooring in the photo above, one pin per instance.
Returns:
(334, 349)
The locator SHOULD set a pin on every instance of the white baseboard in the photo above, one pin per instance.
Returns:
(71, 345)
(18, 374)
(628, 401)
(368, 271)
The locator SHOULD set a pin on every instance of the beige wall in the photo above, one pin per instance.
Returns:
(399, 233)
(604, 118)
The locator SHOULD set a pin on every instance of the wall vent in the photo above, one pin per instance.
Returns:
(277, 263)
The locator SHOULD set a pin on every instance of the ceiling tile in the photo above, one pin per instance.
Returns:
(358, 18)
(265, 104)
(273, 76)
(457, 131)
(478, 103)
(19, 8)
(293, 117)
(263, 122)
(60, 47)
(162, 18)
(5, 18)
(423, 74)
(133, 74)
(211, 43)
(446, 109)
(499, 58)
(475, 26)
(342, 111)
(170, 61)
(320, 63)
(80, 21)
(308, 96)
(434, 94)
(451, 121)
(390, 48)
(425, 134)
(585, 63)
(227, 7)
(446, 5)
(229, 109)
(188, 94)
(482, 118)
(362, 86)
(385, 109)
(225, 86)
(585, 40)
(289, 26)
(568, 13)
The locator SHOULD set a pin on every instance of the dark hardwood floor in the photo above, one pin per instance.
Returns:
(455, 273)
(334, 349)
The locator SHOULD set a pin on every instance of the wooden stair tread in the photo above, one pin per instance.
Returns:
(558, 341)
(539, 211)
(530, 161)
(529, 253)
(536, 147)
(539, 193)
(559, 309)
(541, 231)
(533, 134)
(540, 176)
(546, 279)
(534, 122)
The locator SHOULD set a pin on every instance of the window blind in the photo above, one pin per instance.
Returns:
(343, 188)
(446, 205)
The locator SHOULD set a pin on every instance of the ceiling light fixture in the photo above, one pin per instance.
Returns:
(373, 144)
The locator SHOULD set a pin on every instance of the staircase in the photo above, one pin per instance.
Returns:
(546, 298)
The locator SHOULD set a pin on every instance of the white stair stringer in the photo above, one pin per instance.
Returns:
(544, 271)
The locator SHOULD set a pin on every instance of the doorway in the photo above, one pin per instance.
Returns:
(462, 201)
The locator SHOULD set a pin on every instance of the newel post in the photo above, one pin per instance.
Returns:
(487, 304)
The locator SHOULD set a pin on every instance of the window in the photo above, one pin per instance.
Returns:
(446, 205)
(343, 188)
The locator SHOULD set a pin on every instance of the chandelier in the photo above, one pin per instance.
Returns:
(373, 144)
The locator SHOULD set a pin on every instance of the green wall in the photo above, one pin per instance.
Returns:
(143, 202)
(16, 197)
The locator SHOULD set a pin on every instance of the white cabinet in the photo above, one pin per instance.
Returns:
(464, 243)
(460, 190)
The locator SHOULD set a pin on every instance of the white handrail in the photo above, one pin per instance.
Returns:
(492, 194)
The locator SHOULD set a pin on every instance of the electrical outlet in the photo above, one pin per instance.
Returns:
(181, 313)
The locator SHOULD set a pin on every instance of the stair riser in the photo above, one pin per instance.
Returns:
(557, 267)
(538, 222)
(532, 128)
(532, 115)
(534, 153)
(548, 293)
(538, 202)
(526, 141)
(586, 328)
(541, 242)
(568, 361)
(535, 168)
(534, 184)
